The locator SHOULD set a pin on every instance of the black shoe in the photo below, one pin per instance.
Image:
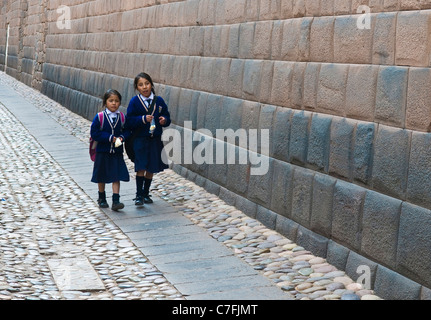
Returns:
(139, 201)
(102, 203)
(147, 199)
(117, 206)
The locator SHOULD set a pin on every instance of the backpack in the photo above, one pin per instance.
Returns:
(93, 143)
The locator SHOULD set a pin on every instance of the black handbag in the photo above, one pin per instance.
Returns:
(130, 151)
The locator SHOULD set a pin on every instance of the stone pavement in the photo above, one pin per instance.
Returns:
(57, 244)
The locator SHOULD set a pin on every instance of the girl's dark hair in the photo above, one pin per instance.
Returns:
(109, 93)
(144, 76)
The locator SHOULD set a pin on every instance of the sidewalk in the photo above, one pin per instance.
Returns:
(187, 245)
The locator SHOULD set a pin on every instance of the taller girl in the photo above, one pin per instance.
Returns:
(148, 118)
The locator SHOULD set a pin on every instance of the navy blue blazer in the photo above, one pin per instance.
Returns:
(137, 110)
(104, 136)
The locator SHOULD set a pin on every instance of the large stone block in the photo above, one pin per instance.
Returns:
(299, 136)
(269, 10)
(340, 155)
(234, 11)
(206, 68)
(321, 208)
(337, 255)
(380, 222)
(238, 174)
(246, 36)
(184, 104)
(217, 172)
(331, 95)
(384, 38)
(355, 267)
(298, 8)
(252, 79)
(219, 41)
(391, 152)
(262, 40)
(312, 242)
(276, 40)
(289, 49)
(412, 38)
(281, 134)
(221, 69)
(363, 151)
(246, 206)
(418, 113)
(267, 217)
(213, 113)
(195, 43)
(310, 86)
(231, 114)
(341, 7)
(390, 285)
(297, 88)
(301, 196)
(260, 187)
(201, 110)
(304, 39)
(206, 12)
(267, 72)
(173, 96)
(414, 243)
(361, 92)
(281, 197)
(250, 115)
(346, 221)
(286, 227)
(233, 41)
(391, 95)
(266, 120)
(351, 45)
(318, 142)
(235, 78)
(419, 184)
(321, 40)
(281, 83)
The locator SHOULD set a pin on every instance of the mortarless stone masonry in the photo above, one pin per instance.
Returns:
(349, 109)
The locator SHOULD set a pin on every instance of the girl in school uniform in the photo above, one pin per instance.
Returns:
(109, 165)
(149, 119)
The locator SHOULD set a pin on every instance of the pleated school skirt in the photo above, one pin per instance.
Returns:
(109, 168)
(148, 154)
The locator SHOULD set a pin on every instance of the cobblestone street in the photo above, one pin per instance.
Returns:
(56, 244)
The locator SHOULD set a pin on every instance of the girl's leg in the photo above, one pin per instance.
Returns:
(116, 204)
(148, 179)
(102, 196)
(116, 187)
(140, 177)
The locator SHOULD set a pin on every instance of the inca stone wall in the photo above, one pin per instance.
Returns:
(346, 97)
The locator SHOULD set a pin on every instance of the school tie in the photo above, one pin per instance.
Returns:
(149, 103)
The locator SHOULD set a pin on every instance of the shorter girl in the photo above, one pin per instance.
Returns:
(109, 165)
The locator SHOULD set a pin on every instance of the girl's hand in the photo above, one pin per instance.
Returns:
(162, 121)
(118, 142)
(148, 119)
